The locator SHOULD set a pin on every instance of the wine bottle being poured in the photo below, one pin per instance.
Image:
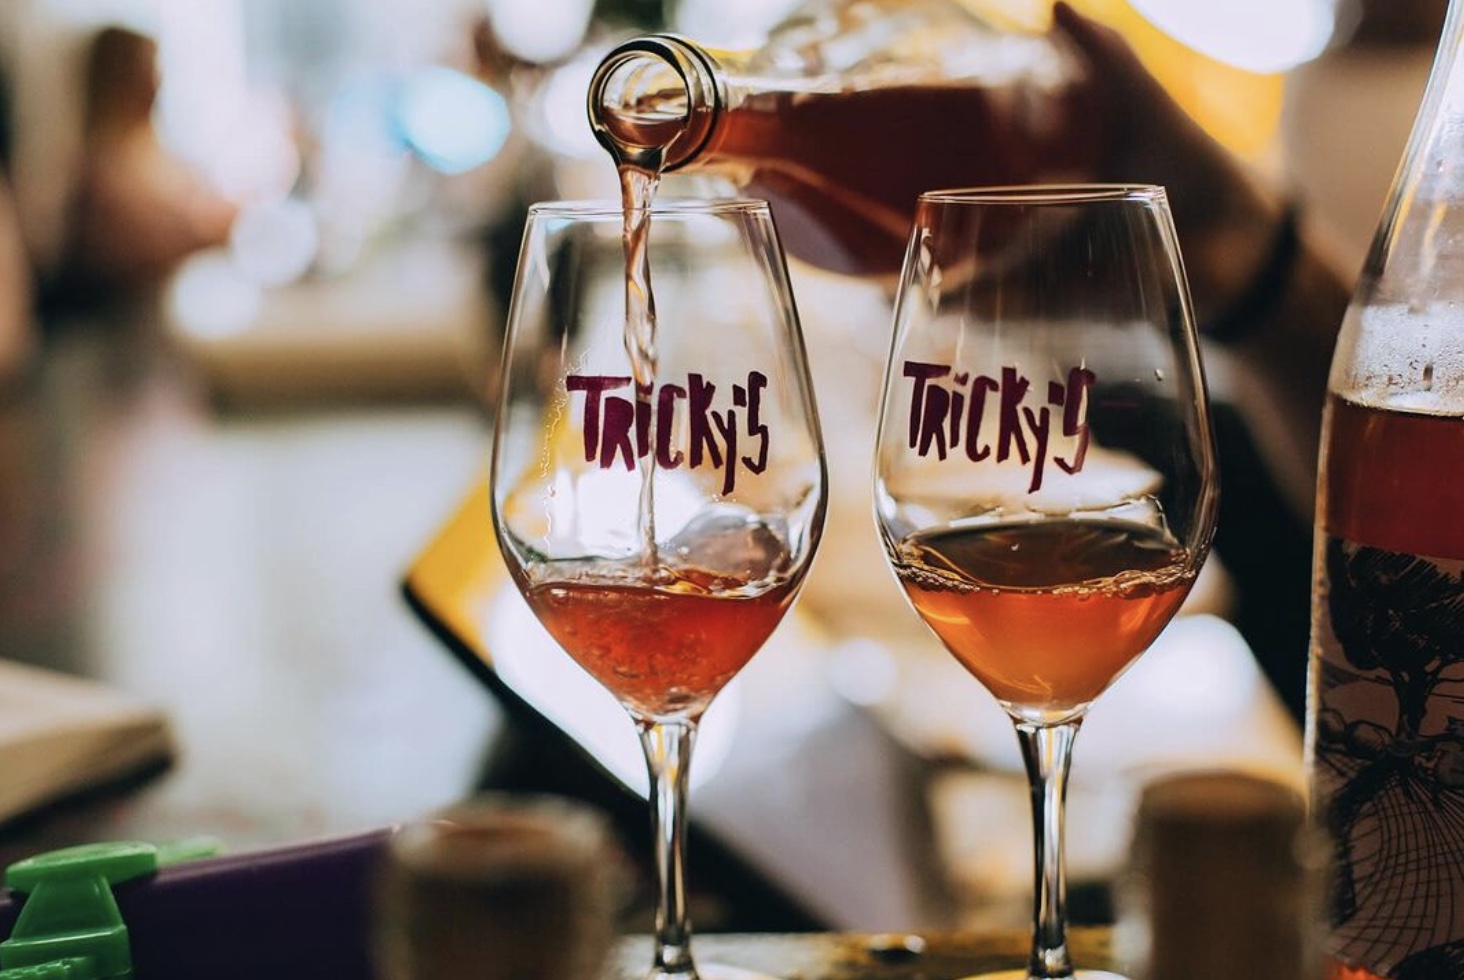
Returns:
(849, 111)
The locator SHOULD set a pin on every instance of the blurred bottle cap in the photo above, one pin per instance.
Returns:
(501, 886)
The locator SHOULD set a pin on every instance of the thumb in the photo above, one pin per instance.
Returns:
(1110, 56)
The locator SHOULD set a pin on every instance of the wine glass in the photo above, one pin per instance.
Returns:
(658, 481)
(1045, 484)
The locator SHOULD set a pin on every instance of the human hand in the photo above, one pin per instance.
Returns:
(1225, 216)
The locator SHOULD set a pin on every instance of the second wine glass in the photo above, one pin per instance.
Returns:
(1045, 482)
(658, 477)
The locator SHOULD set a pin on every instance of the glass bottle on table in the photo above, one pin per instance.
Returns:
(1385, 725)
(849, 111)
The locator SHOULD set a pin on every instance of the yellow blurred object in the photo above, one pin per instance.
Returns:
(453, 581)
(1018, 15)
(1240, 108)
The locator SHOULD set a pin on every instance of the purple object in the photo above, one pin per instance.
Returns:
(299, 911)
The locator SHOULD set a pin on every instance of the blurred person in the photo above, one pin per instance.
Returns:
(102, 210)
(138, 210)
(1271, 280)
(1266, 289)
(1269, 299)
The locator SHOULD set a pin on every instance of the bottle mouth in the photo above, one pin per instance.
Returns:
(653, 102)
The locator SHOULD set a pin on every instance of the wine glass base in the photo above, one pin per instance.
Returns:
(713, 971)
(1024, 974)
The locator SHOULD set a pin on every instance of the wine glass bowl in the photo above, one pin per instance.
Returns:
(658, 482)
(1045, 483)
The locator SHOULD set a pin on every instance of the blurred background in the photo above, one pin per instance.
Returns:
(286, 149)
(255, 257)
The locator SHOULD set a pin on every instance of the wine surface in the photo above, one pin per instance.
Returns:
(664, 649)
(1046, 615)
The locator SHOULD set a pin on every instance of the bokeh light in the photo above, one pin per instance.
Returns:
(540, 31)
(1257, 35)
(452, 121)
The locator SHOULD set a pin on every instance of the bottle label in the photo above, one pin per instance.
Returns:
(1388, 755)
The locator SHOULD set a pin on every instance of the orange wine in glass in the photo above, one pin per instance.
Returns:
(658, 482)
(1045, 482)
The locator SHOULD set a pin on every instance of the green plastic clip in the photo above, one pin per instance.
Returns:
(70, 927)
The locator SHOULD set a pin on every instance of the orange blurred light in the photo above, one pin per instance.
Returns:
(1240, 108)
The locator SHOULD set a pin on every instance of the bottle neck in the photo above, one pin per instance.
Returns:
(654, 102)
(1426, 193)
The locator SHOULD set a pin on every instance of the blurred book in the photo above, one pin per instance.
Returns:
(61, 735)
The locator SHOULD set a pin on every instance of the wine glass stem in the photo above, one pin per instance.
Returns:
(1047, 752)
(668, 758)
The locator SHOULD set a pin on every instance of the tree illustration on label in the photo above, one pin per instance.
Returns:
(1390, 749)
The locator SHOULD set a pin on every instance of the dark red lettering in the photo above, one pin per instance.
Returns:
(703, 433)
(933, 421)
(976, 451)
(666, 457)
(947, 416)
(594, 386)
(1040, 423)
(1075, 416)
(922, 373)
(756, 428)
(619, 420)
(1009, 423)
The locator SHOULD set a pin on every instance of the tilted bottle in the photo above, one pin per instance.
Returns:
(1385, 727)
(849, 111)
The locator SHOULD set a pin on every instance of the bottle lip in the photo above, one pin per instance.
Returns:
(590, 209)
(1046, 193)
(700, 77)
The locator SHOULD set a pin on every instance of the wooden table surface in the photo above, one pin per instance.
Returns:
(871, 956)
